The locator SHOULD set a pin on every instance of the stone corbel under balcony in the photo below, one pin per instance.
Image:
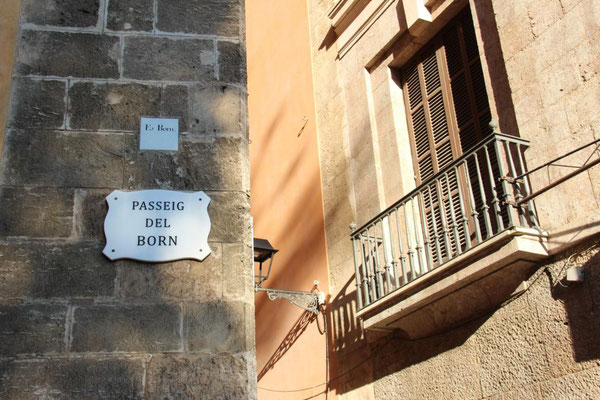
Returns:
(462, 289)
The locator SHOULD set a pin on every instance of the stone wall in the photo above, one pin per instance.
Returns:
(537, 346)
(540, 345)
(551, 49)
(74, 324)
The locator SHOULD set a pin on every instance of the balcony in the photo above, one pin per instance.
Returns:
(465, 231)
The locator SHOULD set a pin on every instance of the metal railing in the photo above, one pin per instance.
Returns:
(466, 203)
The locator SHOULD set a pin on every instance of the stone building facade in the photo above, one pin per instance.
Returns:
(482, 309)
(74, 324)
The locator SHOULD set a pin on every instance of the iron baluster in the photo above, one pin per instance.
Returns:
(503, 182)
(465, 220)
(485, 206)
(365, 277)
(495, 199)
(436, 236)
(474, 212)
(411, 249)
(392, 251)
(401, 250)
(428, 243)
(516, 184)
(419, 246)
(378, 266)
(359, 302)
(386, 254)
(441, 207)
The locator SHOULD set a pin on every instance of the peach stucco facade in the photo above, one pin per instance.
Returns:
(286, 201)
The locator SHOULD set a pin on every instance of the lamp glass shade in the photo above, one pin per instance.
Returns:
(263, 250)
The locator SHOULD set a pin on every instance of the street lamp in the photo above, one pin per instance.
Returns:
(309, 301)
(263, 251)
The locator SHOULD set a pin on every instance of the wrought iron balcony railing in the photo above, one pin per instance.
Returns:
(465, 204)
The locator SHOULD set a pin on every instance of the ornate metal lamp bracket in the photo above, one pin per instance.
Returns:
(308, 301)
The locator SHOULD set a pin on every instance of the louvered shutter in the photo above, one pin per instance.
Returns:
(448, 114)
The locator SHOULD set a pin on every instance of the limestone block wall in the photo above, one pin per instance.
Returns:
(540, 345)
(536, 346)
(74, 324)
(551, 48)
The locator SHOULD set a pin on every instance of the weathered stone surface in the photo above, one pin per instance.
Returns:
(37, 104)
(567, 314)
(76, 378)
(237, 272)
(82, 55)
(42, 270)
(428, 369)
(511, 335)
(217, 377)
(215, 327)
(531, 392)
(581, 385)
(132, 328)
(182, 280)
(220, 110)
(36, 212)
(177, 101)
(232, 64)
(111, 106)
(41, 158)
(514, 27)
(542, 17)
(215, 163)
(169, 59)
(210, 17)
(92, 208)
(204, 109)
(32, 329)
(130, 15)
(229, 215)
(68, 13)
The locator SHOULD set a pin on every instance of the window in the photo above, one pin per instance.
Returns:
(448, 114)
(446, 100)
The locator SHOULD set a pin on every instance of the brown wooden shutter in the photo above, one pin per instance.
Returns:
(448, 114)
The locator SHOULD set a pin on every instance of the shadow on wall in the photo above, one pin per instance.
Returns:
(306, 228)
(258, 167)
(564, 312)
(347, 343)
(581, 302)
(360, 362)
(298, 329)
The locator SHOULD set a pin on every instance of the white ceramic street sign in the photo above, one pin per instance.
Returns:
(159, 133)
(157, 225)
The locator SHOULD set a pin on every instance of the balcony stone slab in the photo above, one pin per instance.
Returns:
(463, 289)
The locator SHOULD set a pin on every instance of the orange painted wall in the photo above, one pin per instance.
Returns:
(9, 25)
(286, 200)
